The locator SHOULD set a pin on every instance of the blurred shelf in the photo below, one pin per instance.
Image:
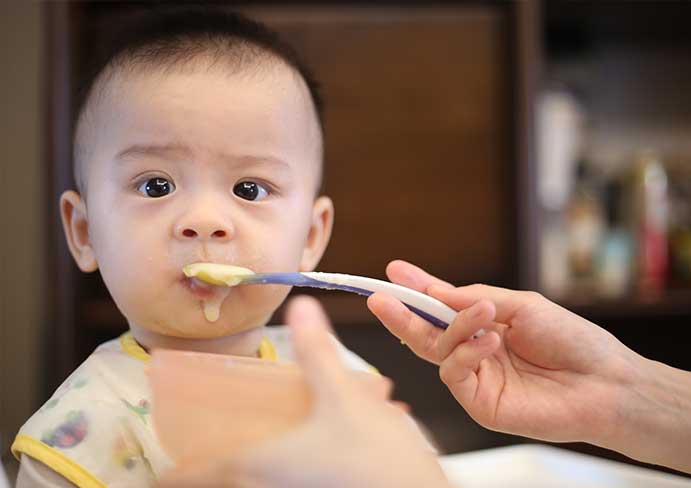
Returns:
(671, 303)
(570, 24)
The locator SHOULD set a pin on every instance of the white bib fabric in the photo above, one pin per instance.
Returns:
(96, 429)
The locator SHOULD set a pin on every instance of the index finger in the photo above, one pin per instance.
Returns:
(506, 301)
(421, 336)
(207, 475)
(407, 274)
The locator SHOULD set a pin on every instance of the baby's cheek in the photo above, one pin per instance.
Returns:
(261, 301)
(276, 248)
(133, 296)
(282, 258)
(134, 279)
(268, 296)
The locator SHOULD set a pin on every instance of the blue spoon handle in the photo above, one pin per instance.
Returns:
(430, 309)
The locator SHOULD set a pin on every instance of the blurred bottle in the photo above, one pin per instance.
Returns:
(651, 210)
(681, 249)
(585, 224)
(679, 177)
(554, 271)
(559, 129)
(616, 257)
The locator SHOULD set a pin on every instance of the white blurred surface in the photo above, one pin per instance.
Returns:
(539, 466)
(559, 139)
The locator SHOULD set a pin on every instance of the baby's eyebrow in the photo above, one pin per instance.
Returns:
(269, 161)
(165, 150)
(180, 150)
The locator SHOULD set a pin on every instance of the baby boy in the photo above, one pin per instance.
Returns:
(200, 140)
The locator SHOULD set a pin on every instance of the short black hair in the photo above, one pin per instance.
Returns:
(171, 35)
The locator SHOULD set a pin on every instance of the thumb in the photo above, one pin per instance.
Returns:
(206, 475)
(315, 349)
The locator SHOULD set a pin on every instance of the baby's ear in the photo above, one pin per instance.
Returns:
(76, 227)
(319, 233)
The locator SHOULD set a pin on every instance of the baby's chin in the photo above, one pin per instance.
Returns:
(186, 316)
(192, 323)
(197, 326)
(210, 331)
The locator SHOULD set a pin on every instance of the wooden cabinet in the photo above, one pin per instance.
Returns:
(418, 151)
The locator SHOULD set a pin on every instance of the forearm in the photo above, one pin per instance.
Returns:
(655, 418)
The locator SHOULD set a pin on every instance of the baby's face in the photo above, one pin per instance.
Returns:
(202, 166)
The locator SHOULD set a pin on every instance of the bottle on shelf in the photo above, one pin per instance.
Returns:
(585, 229)
(615, 262)
(679, 177)
(651, 224)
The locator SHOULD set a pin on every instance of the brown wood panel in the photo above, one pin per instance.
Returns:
(417, 136)
(61, 329)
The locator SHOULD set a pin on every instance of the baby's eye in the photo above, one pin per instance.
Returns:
(249, 190)
(156, 187)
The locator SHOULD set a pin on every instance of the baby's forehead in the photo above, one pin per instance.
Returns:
(129, 96)
(126, 81)
(269, 99)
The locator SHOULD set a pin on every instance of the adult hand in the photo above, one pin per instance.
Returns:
(544, 372)
(353, 437)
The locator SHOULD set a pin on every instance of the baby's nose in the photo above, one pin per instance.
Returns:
(204, 230)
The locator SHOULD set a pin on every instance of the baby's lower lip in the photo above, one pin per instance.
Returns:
(199, 288)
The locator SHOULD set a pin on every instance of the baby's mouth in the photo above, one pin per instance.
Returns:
(210, 296)
(211, 283)
(201, 289)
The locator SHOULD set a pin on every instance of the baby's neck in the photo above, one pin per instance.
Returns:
(241, 344)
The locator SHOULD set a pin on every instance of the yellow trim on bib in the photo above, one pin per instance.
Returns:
(267, 350)
(55, 460)
(130, 346)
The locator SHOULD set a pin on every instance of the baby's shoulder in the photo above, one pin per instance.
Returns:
(94, 394)
(96, 425)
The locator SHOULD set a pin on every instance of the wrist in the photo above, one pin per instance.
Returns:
(654, 415)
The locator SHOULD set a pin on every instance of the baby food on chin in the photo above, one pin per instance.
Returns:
(220, 277)
(212, 306)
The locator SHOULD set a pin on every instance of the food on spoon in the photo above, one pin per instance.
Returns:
(217, 274)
